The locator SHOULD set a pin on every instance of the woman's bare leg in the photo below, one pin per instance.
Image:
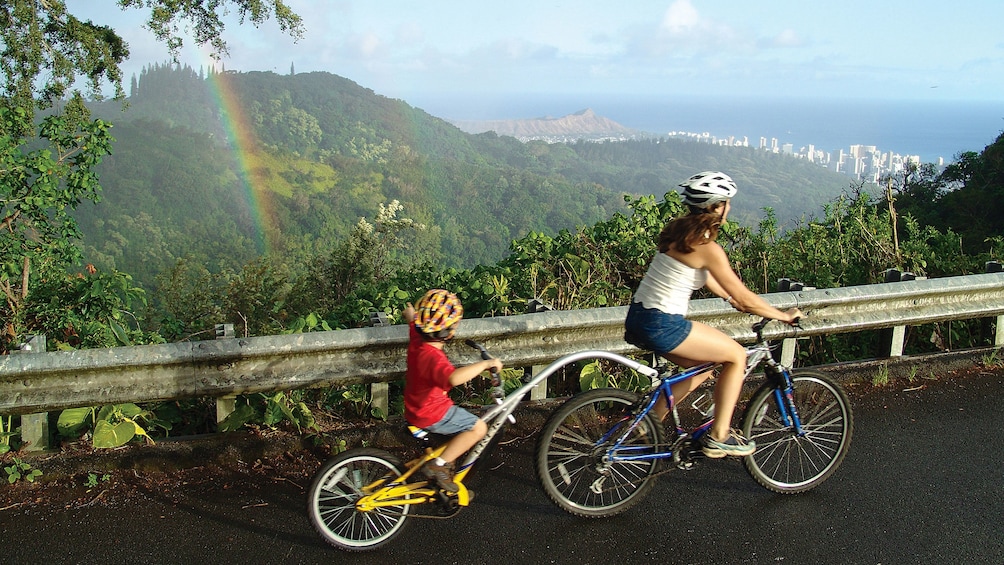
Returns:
(708, 344)
(682, 388)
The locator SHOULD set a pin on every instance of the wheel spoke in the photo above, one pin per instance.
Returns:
(785, 461)
(577, 472)
(337, 488)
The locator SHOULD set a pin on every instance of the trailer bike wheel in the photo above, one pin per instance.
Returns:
(333, 494)
(573, 457)
(785, 461)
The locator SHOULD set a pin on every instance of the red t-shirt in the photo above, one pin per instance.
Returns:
(426, 382)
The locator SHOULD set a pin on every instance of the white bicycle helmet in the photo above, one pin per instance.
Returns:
(706, 189)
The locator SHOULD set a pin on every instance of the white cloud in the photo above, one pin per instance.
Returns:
(681, 17)
(368, 45)
(787, 38)
(409, 34)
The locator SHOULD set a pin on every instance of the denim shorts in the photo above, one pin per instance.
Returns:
(455, 421)
(654, 330)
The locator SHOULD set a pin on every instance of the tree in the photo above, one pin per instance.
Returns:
(47, 167)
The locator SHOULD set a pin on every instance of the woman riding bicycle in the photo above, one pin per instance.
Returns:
(689, 258)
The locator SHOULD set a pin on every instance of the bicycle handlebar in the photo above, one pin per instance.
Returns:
(758, 327)
(498, 392)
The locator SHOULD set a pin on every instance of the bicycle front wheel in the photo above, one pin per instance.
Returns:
(573, 458)
(789, 463)
(333, 494)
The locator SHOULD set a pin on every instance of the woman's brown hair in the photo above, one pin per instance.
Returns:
(696, 228)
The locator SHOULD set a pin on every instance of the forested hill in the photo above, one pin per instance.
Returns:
(224, 167)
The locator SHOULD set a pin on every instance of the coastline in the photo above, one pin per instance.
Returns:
(929, 128)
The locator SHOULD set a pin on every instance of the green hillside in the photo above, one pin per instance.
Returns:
(225, 167)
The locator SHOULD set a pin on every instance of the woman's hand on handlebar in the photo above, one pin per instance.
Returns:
(794, 315)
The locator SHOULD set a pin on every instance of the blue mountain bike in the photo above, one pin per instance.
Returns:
(599, 453)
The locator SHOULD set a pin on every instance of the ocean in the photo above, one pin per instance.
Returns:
(930, 129)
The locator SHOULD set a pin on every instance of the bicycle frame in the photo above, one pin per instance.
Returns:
(496, 416)
(397, 491)
(779, 375)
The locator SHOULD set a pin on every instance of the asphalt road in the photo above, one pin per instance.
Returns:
(922, 484)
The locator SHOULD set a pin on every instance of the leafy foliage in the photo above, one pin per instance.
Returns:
(966, 198)
(48, 167)
(113, 425)
(38, 188)
(8, 433)
(19, 469)
(270, 410)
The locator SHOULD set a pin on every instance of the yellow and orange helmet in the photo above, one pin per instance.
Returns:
(437, 312)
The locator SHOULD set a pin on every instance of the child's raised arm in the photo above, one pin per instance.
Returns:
(463, 374)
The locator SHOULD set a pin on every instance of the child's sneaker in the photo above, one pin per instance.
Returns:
(735, 445)
(442, 475)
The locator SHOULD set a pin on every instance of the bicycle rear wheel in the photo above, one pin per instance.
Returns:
(572, 463)
(331, 501)
(785, 462)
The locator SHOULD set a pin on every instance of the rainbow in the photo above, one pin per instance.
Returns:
(248, 157)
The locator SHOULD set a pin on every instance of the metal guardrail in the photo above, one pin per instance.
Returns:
(42, 382)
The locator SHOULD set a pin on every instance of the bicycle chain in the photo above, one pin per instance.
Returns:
(670, 467)
(427, 516)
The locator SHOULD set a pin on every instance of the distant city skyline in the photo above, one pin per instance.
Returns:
(893, 49)
(862, 162)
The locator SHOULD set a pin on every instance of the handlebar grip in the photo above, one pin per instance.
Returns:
(479, 347)
(496, 378)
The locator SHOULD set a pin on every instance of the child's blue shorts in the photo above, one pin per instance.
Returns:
(455, 421)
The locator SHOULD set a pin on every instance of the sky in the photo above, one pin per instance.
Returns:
(433, 51)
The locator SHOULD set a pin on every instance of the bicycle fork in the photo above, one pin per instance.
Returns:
(784, 397)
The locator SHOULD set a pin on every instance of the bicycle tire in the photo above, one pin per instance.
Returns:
(337, 485)
(789, 464)
(569, 460)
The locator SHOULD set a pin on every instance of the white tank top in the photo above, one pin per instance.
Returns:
(668, 284)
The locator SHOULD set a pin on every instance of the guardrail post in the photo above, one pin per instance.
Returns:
(788, 344)
(997, 267)
(538, 392)
(380, 392)
(34, 427)
(225, 405)
(893, 340)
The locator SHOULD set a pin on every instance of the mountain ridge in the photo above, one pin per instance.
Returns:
(584, 124)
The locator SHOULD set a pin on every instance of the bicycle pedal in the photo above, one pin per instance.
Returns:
(447, 505)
